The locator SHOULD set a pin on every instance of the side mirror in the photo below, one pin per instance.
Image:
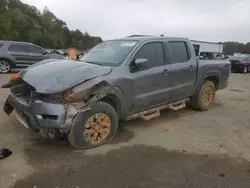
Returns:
(141, 63)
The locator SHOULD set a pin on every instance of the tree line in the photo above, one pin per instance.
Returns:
(235, 47)
(21, 22)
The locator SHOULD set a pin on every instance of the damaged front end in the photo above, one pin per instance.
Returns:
(50, 114)
(48, 95)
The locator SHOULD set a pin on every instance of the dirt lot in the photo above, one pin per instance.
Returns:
(178, 149)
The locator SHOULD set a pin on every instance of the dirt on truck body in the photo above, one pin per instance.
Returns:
(119, 79)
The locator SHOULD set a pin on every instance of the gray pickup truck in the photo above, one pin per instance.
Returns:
(122, 79)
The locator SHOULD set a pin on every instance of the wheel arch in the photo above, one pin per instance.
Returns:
(10, 60)
(115, 102)
(211, 76)
(215, 79)
(109, 94)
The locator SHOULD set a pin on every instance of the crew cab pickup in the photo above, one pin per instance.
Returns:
(122, 79)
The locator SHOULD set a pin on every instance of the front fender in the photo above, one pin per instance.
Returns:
(112, 92)
(94, 90)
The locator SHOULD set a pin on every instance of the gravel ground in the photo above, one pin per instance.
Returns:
(179, 149)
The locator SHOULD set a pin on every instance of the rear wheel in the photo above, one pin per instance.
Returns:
(93, 128)
(5, 66)
(205, 97)
(244, 70)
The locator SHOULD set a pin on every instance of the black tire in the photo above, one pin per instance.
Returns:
(76, 136)
(244, 70)
(7, 65)
(197, 100)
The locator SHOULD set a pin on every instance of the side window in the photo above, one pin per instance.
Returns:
(178, 51)
(196, 49)
(36, 49)
(1, 45)
(152, 52)
(18, 48)
(219, 55)
(245, 59)
(224, 56)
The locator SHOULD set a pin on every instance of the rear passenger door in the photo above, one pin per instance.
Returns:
(150, 86)
(21, 54)
(183, 73)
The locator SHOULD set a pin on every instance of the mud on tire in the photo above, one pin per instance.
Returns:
(94, 127)
(204, 98)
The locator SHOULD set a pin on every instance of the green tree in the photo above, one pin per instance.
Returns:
(236, 47)
(19, 21)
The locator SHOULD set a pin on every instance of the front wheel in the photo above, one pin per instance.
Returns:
(93, 128)
(205, 96)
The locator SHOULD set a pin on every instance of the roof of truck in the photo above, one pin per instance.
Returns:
(199, 41)
(148, 37)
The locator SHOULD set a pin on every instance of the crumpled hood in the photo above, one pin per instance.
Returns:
(53, 76)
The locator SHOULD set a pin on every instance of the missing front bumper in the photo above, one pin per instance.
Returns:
(41, 115)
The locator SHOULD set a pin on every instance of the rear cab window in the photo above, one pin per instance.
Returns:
(1, 45)
(178, 51)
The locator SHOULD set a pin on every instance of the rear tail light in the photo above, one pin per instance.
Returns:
(240, 62)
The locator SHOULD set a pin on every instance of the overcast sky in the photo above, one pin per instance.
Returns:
(209, 20)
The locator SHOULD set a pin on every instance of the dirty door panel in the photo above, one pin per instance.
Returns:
(183, 73)
(150, 86)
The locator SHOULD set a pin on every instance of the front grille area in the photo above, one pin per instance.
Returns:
(50, 117)
(22, 89)
(233, 62)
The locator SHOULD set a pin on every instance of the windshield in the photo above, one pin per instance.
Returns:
(109, 53)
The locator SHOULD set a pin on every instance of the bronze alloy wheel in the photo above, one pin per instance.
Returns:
(97, 128)
(94, 127)
(203, 99)
(208, 95)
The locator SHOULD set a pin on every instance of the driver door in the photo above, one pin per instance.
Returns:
(150, 85)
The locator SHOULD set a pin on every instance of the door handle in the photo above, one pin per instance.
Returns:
(190, 67)
(164, 72)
